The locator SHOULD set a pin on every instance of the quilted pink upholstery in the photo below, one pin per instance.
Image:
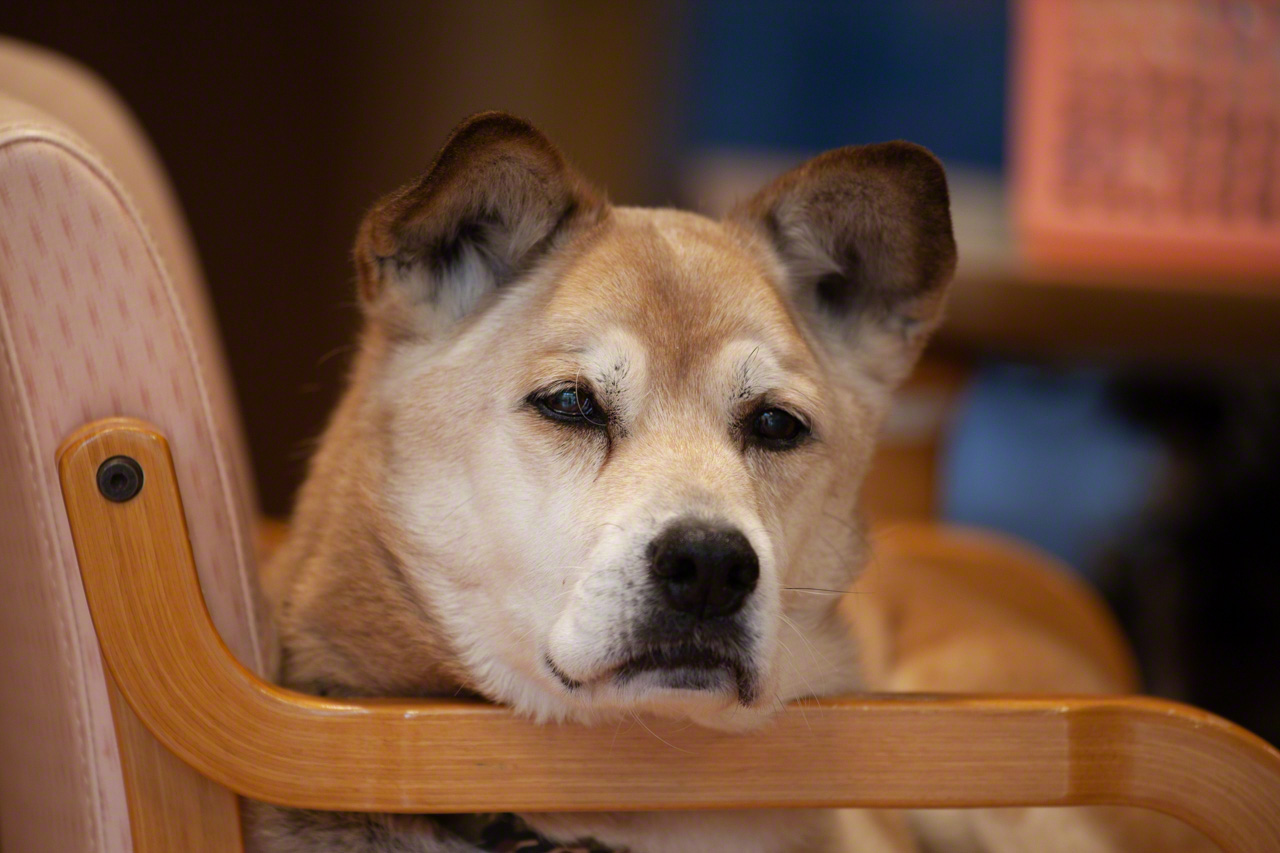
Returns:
(93, 322)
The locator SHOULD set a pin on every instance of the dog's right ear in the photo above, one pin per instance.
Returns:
(863, 235)
(498, 197)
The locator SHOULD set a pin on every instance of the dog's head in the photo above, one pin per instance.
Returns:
(621, 448)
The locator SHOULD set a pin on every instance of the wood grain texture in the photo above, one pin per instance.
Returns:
(171, 806)
(1026, 582)
(452, 756)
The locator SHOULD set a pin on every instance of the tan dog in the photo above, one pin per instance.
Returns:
(591, 459)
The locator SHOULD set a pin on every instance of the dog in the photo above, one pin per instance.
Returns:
(593, 461)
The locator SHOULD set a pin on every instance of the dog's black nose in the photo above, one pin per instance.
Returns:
(702, 570)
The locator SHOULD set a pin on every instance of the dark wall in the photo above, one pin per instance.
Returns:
(280, 124)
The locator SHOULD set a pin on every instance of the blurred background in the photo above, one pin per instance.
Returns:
(1107, 385)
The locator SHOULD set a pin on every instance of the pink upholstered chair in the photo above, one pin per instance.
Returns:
(102, 312)
(103, 316)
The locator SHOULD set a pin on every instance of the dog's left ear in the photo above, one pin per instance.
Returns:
(498, 199)
(864, 238)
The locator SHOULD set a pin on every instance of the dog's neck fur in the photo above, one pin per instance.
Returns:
(337, 551)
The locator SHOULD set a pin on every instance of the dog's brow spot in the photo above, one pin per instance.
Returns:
(746, 380)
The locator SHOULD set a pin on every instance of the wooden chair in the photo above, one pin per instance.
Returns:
(135, 707)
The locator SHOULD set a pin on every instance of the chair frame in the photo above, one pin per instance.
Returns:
(197, 726)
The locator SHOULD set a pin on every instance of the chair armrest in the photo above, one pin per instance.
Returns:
(275, 745)
(916, 564)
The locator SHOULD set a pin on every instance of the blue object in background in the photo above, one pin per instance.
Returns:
(812, 75)
(1040, 454)
(1034, 452)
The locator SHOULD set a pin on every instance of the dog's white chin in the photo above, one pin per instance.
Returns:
(605, 702)
(716, 706)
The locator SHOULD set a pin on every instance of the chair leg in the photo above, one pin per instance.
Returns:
(171, 806)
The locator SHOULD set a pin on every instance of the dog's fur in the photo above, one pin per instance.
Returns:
(452, 537)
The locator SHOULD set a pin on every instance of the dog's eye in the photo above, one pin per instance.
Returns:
(777, 428)
(571, 404)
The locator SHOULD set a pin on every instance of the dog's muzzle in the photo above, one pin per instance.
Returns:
(690, 632)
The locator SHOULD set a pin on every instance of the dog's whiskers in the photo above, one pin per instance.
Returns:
(844, 522)
(800, 674)
(656, 735)
(564, 593)
(560, 595)
(813, 653)
(616, 729)
(466, 501)
(336, 351)
(882, 532)
(817, 590)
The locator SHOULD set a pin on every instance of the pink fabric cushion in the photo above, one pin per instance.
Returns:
(92, 325)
